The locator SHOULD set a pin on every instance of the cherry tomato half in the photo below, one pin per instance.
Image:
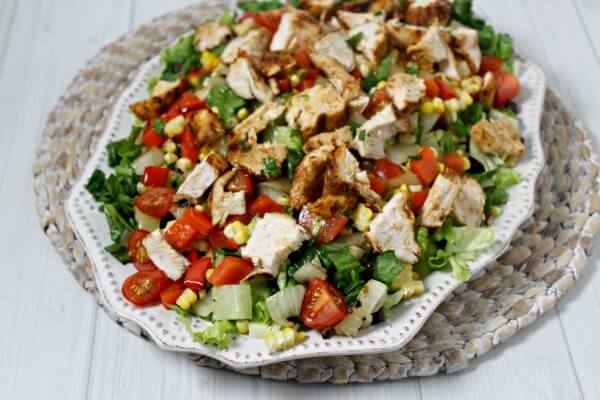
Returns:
(137, 251)
(155, 202)
(144, 288)
(507, 88)
(323, 305)
(331, 229)
(241, 182)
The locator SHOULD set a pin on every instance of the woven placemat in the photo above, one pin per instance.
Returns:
(544, 261)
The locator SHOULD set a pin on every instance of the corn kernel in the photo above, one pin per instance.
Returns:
(452, 105)
(438, 105)
(441, 167)
(472, 84)
(467, 163)
(171, 158)
(141, 188)
(362, 217)
(466, 99)
(294, 80)
(176, 126)
(271, 342)
(242, 113)
(242, 326)
(402, 189)
(184, 164)
(289, 337)
(300, 337)
(170, 146)
(381, 85)
(204, 152)
(209, 60)
(427, 107)
(209, 272)
(200, 207)
(186, 299)
(283, 201)
(238, 232)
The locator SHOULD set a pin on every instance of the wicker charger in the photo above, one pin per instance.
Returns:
(545, 259)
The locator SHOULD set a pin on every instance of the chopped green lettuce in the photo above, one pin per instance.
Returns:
(226, 102)
(257, 6)
(347, 269)
(180, 58)
(386, 268)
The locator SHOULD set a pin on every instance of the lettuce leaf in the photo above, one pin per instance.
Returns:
(347, 269)
(386, 268)
(179, 58)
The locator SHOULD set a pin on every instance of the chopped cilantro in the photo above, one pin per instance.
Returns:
(272, 170)
(180, 58)
(355, 40)
(226, 102)
(412, 68)
(259, 6)
(159, 126)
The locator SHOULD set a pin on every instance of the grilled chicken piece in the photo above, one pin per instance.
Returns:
(297, 30)
(393, 230)
(466, 43)
(388, 7)
(317, 109)
(259, 120)
(346, 85)
(403, 35)
(353, 20)
(210, 35)
(273, 239)
(206, 127)
(428, 12)
(433, 49)
(201, 178)
(334, 45)
(348, 170)
(316, 7)
(277, 62)
(499, 137)
(254, 43)
(307, 184)
(371, 136)
(374, 42)
(470, 203)
(255, 158)
(222, 203)
(405, 90)
(440, 200)
(336, 138)
(488, 91)
(246, 82)
(158, 104)
(165, 257)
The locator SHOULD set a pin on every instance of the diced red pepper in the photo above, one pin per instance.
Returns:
(264, 204)
(426, 170)
(417, 200)
(151, 138)
(198, 220)
(189, 148)
(155, 176)
(218, 240)
(195, 276)
(180, 235)
(446, 92)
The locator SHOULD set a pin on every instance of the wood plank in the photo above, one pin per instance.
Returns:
(47, 325)
(589, 13)
(7, 13)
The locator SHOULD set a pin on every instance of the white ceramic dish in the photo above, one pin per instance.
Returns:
(244, 352)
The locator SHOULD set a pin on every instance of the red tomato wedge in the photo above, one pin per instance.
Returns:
(306, 84)
(264, 204)
(269, 20)
(189, 148)
(417, 200)
(303, 59)
(379, 97)
(195, 276)
(155, 176)
(155, 202)
(137, 251)
(198, 220)
(231, 271)
(244, 219)
(432, 89)
(144, 288)
(188, 102)
(180, 235)
(323, 305)
(331, 229)
(241, 182)
(151, 138)
(446, 92)
(192, 255)
(385, 169)
(507, 88)
(454, 161)
(425, 169)
(490, 64)
(377, 184)
(428, 152)
(218, 240)
(169, 296)
(284, 84)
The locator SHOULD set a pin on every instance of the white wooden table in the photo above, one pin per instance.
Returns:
(56, 344)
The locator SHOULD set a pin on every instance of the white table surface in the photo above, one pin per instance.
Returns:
(56, 344)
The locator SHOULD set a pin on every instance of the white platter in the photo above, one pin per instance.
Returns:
(243, 352)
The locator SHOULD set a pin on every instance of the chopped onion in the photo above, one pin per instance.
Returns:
(428, 121)
(257, 330)
(285, 303)
(351, 324)
(232, 302)
(372, 296)
(355, 239)
(145, 221)
(275, 189)
(413, 117)
(400, 153)
(205, 306)
(408, 179)
(152, 157)
(309, 271)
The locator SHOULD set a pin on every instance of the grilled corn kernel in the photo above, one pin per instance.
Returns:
(438, 105)
(184, 164)
(200, 207)
(237, 232)
(300, 337)
(294, 80)
(427, 107)
(170, 146)
(465, 99)
(210, 60)
(282, 340)
(186, 299)
(441, 167)
(467, 163)
(141, 188)
(175, 126)
(209, 271)
(242, 326)
(242, 113)
(472, 84)
(362, 217)
(452, 105)
(289, 337)
(283, 201)
(381, 85)
(171, 158)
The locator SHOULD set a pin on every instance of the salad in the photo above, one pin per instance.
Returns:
(306, 165)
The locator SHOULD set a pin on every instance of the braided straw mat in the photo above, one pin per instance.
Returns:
(546, 256)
